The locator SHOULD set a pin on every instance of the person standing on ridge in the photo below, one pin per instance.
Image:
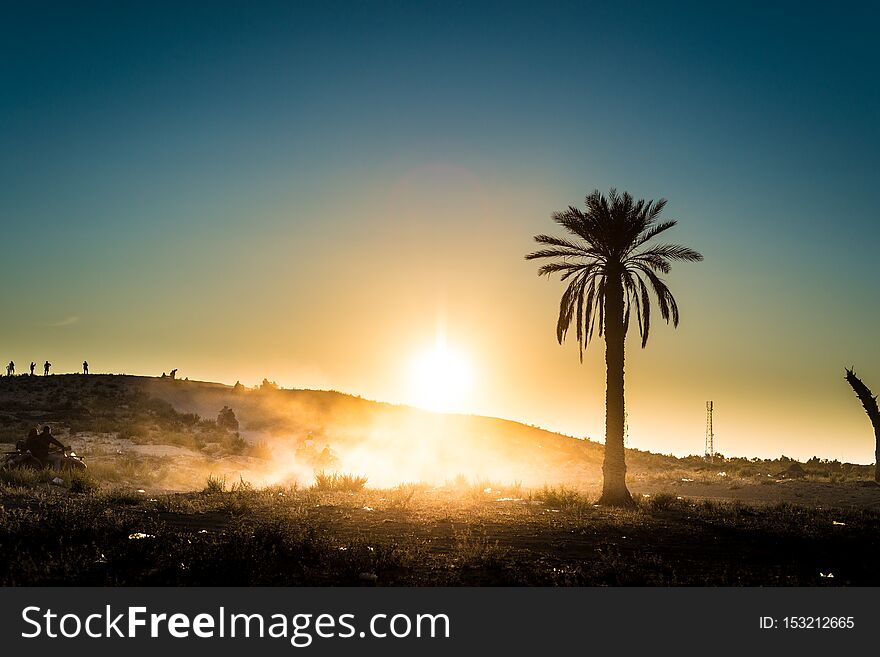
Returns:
(85, 367)
(46, 367)
(10, 369)
(33, 365)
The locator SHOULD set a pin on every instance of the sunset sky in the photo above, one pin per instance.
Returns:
(313, 192)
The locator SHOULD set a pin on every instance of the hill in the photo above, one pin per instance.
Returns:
(168, 430)
(290, 429)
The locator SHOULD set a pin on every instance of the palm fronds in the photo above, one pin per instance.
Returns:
(606, 248)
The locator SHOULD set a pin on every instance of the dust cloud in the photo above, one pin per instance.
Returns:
(292, 434)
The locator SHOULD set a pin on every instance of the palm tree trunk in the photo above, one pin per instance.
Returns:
(614, 492)
(869, 401)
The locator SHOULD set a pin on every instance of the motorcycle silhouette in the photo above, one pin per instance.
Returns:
(22, 458)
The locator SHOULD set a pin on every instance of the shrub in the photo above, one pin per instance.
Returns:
(561, 497)
(401, 496)
(662, 501)
(82, 481)
(234, 443)
(226, 419)
(242, 486)
(338, 483)
(214, 485)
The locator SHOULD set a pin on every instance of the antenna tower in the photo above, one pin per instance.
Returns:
(710, 434)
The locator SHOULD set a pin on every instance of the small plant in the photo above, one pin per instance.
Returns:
(234, 443)
(662, 501)
(214, 485)
(401, 496)
(561, 497)
(82, 481)
(338, 483)
(474, 548)
(242, 486)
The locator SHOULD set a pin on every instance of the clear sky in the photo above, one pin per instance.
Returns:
(309, 192)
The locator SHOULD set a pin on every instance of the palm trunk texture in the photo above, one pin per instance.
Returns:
(614, 491)
(869, 401)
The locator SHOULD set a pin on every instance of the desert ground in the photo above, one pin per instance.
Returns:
(173, 496)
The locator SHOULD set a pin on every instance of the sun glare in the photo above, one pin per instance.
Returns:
(440, 379)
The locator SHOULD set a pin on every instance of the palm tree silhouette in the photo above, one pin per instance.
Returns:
(611, 270)
(869, 401)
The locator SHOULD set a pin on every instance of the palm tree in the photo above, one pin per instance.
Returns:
(869, 401)
(611, 269)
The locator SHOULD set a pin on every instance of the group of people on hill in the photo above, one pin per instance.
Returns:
(10, 369)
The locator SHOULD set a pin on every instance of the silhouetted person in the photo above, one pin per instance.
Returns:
(33, 365)
(85, 367)
(25, 457)
(29, 442)
(173, 373)
(326, 458)
(10, 369)
(46, 367)
(41, 448)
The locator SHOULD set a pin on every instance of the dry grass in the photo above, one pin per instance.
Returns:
(418, 535)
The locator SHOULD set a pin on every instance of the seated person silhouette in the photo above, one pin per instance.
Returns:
(40, 447)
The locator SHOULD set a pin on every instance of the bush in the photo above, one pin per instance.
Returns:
(662, 501)
(226, 419)
(338, 483)
(214, 485)
(82, 481)
(234, 444)
(562, 497)
(242, 486)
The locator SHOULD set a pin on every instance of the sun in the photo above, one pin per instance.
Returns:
(441, 379)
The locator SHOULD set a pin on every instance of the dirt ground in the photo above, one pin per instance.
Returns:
(818, 494)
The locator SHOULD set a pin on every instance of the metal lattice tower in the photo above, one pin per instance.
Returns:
(710, 434)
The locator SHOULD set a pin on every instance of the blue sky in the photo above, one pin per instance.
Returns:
(204, 185)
